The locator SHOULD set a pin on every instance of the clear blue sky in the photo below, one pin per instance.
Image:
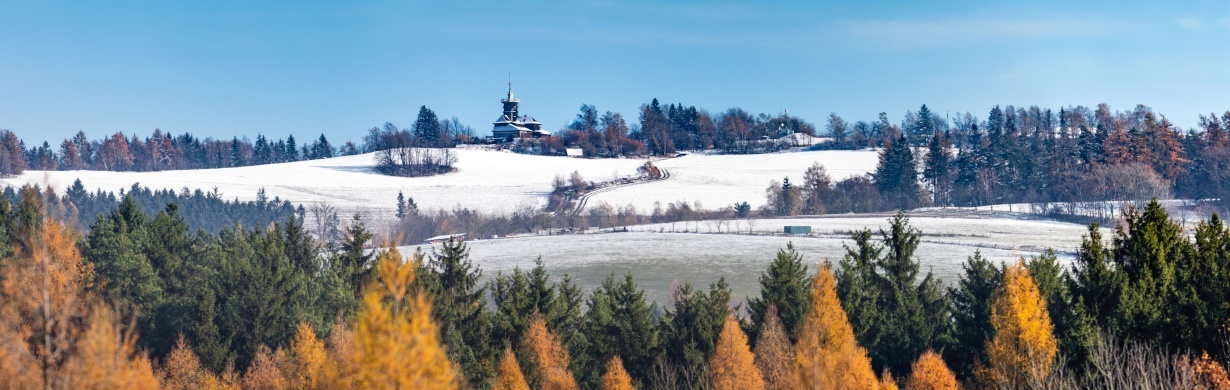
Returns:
(223, 68)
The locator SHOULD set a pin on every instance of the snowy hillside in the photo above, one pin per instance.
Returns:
(486, 180)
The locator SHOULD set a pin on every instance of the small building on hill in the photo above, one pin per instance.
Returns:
(512, 125)
(443, 238)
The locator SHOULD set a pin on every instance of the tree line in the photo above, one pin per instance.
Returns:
(1068, 163)
(146, 301)
(208, 211)
(165, 151)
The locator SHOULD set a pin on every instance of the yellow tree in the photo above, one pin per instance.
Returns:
(826, 355)
(107, 358)
(43, 300)
(930, 373)
(396, 342)
(509, 376)
(547, 356)
(1023, 347)
(306, 360)
(616, 378)
(732, 365)
(182, 370)
(774, 353)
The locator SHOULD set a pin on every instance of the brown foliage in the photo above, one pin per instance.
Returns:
(1208, 373)
(826, 355)
(509, 376)
(342, 367)
(732, 365)
(263, 373)
(547, 356)
(930, 373)
(774, 353)
(1024, 345)
(616, 378)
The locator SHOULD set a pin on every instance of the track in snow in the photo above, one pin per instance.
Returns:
(583, 201)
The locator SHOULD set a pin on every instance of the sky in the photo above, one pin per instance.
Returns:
(237, 68)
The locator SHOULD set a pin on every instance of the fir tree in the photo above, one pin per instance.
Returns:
(971, 312)
(451, 279)
(619, 323)
(896, 175)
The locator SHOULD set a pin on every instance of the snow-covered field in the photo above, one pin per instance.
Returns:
(723, 180)
(486, 180)
(659, 261)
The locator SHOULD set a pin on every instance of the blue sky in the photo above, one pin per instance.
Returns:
(224, 68)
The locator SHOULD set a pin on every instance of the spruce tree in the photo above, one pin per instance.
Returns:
(1073, 327)
(619, 322)
(427, 128)
(690, 331)
(401, 206)
(785, 285)
(451, 279)
(971, 312)
(896, 175)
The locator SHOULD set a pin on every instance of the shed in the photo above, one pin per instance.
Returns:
(575, 152)
(798, 229)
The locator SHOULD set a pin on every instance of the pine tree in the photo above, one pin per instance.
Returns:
(401, 206)
(971, 312)
(938, 168)
(930, 373)
(1146, 248)
(691, 330)
(1024, 346)
(427, 128)
(784, 285)
(896, 175)
(774, 353)
(894, 314)
(451, 279)
(826, 355)
(732, 365)
(619, 323)
(509, 376)
(1073, 328)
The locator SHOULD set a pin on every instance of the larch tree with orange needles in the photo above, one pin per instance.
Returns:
(396, 340)
(826, 355)
(616, 378)
(509, 376)
(106, 356)
(263, 372)
(1024, 346)
(305, 360)
(774, 353)
(931, 373)
(42, 297)
(182, 370)
(547, 356)
(732, 365)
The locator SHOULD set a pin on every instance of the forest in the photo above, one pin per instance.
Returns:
(147, 300)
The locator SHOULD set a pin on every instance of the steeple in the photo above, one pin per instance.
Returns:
(510, 103)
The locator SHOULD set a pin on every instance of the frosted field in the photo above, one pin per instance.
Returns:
(659, 261)
(485, 180)
(722, 180)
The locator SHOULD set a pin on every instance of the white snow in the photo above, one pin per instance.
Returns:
(485, 180)
(723, 180)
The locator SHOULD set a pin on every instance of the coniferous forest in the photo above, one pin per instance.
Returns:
(148, 299)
